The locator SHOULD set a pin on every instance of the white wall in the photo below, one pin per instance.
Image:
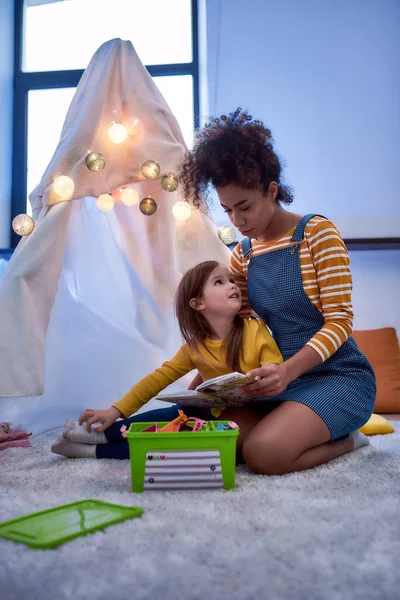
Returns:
(6, 103)
(325, 77)
(376, 288)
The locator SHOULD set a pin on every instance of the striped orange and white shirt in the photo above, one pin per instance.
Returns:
(326, 277)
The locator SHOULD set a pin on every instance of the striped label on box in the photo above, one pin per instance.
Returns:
(183, 470)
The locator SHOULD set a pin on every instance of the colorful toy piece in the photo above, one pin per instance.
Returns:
(194, 424)
(209, 426)
(175, 424)
(152, 428)
(184, 423)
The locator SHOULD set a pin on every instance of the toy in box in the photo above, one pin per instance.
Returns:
(187, 454)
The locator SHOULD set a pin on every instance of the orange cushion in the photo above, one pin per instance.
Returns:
(381, 347)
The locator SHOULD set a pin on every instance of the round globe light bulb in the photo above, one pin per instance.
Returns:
(148, 206)
(23, 224)
(117, 133)
(227, 234)
(95, 161)
(181, 210)
(150, 169)
(64, 187)
(169, 182)
(105, 202)
(129, 196)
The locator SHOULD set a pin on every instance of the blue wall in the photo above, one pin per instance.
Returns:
(6, 103)
(325, 77)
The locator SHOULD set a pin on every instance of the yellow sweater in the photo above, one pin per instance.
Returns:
(258, 348)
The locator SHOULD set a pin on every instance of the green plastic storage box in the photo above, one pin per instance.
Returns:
(183, 460)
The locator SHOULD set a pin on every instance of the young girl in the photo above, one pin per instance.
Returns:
(218, 341)
(294, 272)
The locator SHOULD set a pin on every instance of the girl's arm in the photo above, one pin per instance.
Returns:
(141, 393)
(196, 381)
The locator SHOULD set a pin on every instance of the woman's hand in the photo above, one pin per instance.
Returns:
(105, 416)
(271, 380)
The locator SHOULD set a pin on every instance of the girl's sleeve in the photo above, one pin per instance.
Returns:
(331, 291)
(239, 273)
(155, 382)
(267, 346)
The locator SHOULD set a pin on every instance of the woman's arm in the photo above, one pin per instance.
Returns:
(328, 283)
(274, 379)
(329, 286)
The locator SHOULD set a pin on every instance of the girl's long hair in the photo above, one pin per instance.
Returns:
(193, 325)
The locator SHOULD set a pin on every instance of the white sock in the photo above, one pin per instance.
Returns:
(78, 433)
(359, 439)
(69, 449)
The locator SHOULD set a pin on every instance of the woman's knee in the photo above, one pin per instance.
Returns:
(265, 455)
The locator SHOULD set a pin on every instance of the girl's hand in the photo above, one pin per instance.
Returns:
(195, 382)
(106, 417)
(271, 380)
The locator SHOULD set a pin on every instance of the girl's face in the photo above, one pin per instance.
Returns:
(220, 295)
(248, 210)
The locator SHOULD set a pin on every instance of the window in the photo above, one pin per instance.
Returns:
(54, 41)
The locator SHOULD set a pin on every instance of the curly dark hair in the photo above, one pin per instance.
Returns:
(233, 149)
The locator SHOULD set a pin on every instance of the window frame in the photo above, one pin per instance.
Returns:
(24, 82)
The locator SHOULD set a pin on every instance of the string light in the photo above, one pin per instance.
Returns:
(64, 187)
(148, 206)
(181, 210)
(227, 234)
(105, 202)
(95, 161)
(129, 196)
(169, 182)
(23, 224)
(150, 169)
(117, 133)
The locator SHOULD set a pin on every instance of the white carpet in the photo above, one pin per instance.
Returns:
(329, 533)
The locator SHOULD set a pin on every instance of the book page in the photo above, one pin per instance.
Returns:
(227, 386)
(193, 398)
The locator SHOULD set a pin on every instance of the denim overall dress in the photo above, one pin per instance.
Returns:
(342, 389)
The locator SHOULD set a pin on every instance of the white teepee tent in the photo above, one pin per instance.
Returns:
(86, 304)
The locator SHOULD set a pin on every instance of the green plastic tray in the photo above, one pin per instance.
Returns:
(54, 526)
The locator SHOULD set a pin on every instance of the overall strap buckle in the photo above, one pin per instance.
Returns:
(294, 245)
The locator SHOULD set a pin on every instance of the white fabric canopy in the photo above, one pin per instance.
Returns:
(86, 304)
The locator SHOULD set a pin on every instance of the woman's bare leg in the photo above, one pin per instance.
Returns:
(245, 417)
(291, 438)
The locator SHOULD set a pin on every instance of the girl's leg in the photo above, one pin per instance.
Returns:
(119, 450)
(291, 438)
(115, 446)
(118, 446)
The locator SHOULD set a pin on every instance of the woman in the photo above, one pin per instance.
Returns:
(293, 271)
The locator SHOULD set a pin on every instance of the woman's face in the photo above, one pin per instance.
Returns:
(249, 210)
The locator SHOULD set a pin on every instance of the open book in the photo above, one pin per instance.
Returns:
(225, 390)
